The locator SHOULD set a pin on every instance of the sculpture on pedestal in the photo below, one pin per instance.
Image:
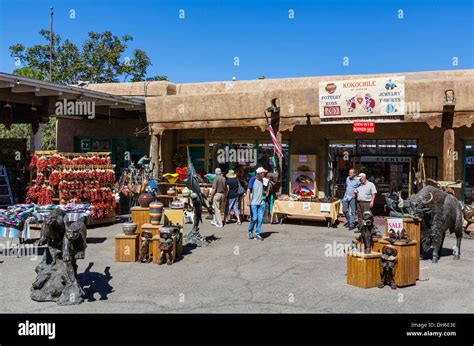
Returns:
(146, 238)
(387, 263)
(56, 278)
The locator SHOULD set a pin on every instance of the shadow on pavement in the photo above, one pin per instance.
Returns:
(93, 282)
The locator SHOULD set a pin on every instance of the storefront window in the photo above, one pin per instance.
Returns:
(387, 147)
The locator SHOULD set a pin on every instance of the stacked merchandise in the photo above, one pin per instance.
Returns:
(71, 178)
(15, 220)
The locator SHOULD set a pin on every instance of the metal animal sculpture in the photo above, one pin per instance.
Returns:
(387, 263)
(366, 230)
(145, 246)
(74, 241)
(440, 212)
(56, 278)
(193, 184)
(166, 248)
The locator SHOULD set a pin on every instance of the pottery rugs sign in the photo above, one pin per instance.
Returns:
(378, 99)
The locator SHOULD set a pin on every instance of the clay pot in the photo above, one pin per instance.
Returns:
(144, 199)
(129, 228)
(171, 192)
(156, 210)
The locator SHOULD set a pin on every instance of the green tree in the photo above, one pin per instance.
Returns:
(101, 59)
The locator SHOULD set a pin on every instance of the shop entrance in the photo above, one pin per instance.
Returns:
(388, 163)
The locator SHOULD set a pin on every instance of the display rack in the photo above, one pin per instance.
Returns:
(62, 178)
(303, 165)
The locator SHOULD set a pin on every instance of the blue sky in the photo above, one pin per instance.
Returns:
(203, 45)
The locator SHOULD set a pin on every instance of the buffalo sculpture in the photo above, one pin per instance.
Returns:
(439, 211)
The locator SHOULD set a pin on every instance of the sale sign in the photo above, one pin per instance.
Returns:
(395, 224)
(363, 127)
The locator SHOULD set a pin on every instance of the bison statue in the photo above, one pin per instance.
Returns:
(439, 212)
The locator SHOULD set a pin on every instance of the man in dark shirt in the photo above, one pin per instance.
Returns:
(233, 199)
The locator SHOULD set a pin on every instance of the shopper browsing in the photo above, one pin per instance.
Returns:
(349, 200)
(233, 199)
(365, 197)
(219, 191)
(256, 200)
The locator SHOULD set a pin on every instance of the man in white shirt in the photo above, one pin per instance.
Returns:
(365, 197)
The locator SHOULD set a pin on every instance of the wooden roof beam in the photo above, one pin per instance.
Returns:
(48, 92)
(25, 89)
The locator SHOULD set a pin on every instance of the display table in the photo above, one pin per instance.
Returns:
(330, 212)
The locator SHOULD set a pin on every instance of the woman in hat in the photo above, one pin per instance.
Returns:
(233, 198)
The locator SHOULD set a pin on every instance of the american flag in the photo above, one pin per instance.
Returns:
(275, 141)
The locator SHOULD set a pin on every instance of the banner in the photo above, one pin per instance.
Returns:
(371, 99)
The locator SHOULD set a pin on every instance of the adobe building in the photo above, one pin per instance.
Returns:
(432, 114)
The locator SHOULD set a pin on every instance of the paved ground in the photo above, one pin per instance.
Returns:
(288, 272)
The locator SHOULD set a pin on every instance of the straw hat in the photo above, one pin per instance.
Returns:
(231, 174)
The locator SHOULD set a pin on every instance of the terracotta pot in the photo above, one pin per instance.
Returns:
(144, 199)
(156, 210)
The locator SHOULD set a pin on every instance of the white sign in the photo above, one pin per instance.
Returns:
(371, 99)
(306, 206)
(395, 224)
(326, 207)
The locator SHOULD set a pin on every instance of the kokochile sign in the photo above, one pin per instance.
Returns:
(364, 99)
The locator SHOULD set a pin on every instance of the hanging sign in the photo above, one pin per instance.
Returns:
(381, 99)
(393, 159)
(363, 127)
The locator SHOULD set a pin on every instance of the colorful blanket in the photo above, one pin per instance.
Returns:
(16, 215)
(14, 221)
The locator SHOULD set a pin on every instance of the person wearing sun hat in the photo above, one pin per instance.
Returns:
(219, 190)
(233, 195)
(256, 201)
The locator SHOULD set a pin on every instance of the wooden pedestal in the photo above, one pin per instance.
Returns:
(126, 248)
(154, 229)
(156, 249)
(140, 216)
(413, 229)
(363, 270)
(408, 262)
(376, 246)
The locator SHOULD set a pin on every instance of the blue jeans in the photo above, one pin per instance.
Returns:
(257, 218)
(346, 205)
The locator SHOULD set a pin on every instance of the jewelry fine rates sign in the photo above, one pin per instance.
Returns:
(365, 99)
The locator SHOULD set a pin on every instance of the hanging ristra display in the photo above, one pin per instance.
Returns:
(73, 178)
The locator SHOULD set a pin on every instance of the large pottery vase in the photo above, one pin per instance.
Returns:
(144, 199)
(156, 209)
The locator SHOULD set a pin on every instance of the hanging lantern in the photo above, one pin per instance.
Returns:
(34, 120)
(8, 117)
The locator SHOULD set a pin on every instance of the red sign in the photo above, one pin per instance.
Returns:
(364, 127)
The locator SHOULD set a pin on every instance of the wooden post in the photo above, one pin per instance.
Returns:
(448, 155)
(280, 162)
